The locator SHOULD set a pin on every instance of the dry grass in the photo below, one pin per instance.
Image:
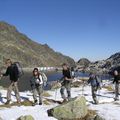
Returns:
(24, 103)
(109, 88)
(46, 94)
(46, 102)
(84, 78)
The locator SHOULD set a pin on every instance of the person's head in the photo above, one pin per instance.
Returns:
(115, 72)
(35, 72)
(65, 67)
(8, 62)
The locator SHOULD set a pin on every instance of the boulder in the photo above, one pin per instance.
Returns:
(97, 117)
(74, 109)
(27, 117)
(1, 118)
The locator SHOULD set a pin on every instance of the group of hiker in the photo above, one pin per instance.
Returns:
(39, 79)
(94, 80)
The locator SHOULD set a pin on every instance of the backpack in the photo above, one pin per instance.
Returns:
(95, 81)
(45, 79)
(98, 82)
(20, 70)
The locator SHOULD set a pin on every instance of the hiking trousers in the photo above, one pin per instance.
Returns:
(94, 93)
(13, 86)
(66, 87)
(116, 90)
(38, 90)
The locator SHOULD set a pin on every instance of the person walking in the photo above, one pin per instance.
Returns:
(95, 85)
(66, 83)
(13, 73)
(117, 82)
(37, 86)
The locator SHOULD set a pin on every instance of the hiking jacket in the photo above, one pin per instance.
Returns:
(36, 82)
(66, 73)
(94, 81)
(12, 72)
(116, 79)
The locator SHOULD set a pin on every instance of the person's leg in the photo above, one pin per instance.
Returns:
(40, 91)
(116, 91)
(68, 88)
(94, 91)
(9, 90)
(62, 92)
(35, 95)
(16, 90)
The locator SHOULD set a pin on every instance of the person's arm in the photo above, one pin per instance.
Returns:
(114, 80)
(89, 80)
(61, 79)
(6, 73)
(32, 83)
(69, 79)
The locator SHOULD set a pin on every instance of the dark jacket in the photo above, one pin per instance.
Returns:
(116, 79)
(66, 73)
(13, 72)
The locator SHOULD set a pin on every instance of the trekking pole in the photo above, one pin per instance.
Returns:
(83, 82)
(56, 91)
(55, 94)
(98, 94)
(83, 88)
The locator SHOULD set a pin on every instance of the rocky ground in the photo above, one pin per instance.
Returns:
(107, 108)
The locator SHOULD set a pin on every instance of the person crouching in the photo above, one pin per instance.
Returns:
(37, 86)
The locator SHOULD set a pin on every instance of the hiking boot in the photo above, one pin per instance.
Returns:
(116, 99)
(19, 103)
(69, 99)
(96, 102)
(65, 100)
(35, 103)
(8, 102)
(40, 103)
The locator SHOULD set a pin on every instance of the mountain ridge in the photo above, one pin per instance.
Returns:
(19, 47)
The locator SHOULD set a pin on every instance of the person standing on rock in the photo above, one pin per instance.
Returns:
(66, 83)
(37, 86)
(12, 71)
(95, 85)
(117, 82)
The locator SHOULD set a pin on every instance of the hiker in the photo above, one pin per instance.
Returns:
(95, 85)
(37, 86)
(12, 71)
(66, 83)
(117, 82)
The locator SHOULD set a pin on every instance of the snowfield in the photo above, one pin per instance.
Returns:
(107, 108)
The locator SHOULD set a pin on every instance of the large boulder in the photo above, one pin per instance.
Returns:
(27, 117)
(74, 109)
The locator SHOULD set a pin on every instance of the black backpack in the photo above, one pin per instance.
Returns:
(20, 70)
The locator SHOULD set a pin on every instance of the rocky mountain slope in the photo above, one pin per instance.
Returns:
(19, 47)
(83, 62)
(105, 65)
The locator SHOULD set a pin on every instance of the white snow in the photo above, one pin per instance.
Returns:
(107, 107)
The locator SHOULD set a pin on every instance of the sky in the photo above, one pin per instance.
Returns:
(77, 28)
